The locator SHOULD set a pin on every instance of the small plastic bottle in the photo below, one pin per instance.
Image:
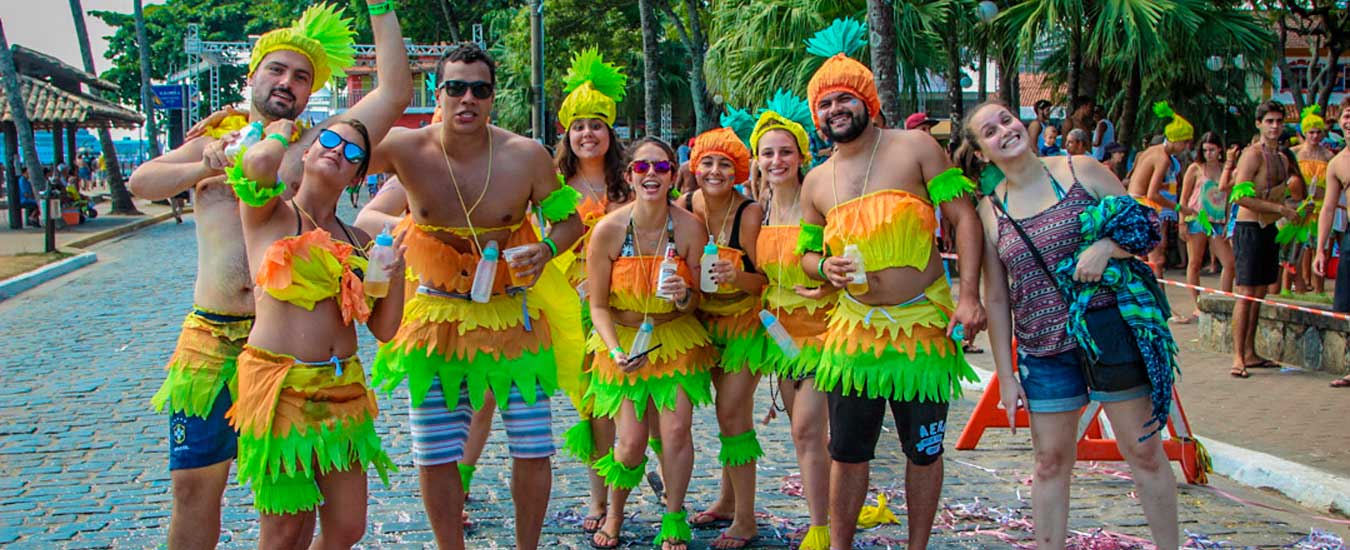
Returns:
(248, 136)
(779, 334)
(959, 333)
(669, 267)
(705, 279)
(381, 255)
(485, 275)
(642, 340)
(858, 284)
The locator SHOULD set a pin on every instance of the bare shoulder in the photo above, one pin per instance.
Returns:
(1340, 165)
(686, 223)
(517, 144)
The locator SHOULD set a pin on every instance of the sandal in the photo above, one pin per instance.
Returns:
(612, 541)
(735, 543)
(1341, 382)
(972, 349)
(709, 520)
(1239, 372)
(1189, 319)
(591, 524)
(1262, 364)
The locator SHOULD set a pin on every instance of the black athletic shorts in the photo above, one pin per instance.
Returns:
(1341, 300)
(855, 426)
(1258, 257)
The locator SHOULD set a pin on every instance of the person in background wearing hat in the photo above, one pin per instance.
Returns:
(1313, 157)
(867, 225)
(1338, 178)
(285, 67)
(921, 122)
(1156, 167)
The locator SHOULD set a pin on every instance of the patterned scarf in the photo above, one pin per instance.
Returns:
(1142, 303)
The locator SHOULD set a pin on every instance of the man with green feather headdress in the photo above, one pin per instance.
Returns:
(285, 67)
(1156, 167)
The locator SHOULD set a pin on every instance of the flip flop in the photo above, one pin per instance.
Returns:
(1189, 319)
(1341, 383)
(737, 542)
(972, 349)
(614, 541)
(709, 520)
(1239, 373)
(596, 522)
(1263, 364)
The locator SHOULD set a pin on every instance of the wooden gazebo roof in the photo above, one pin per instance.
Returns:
(48, 105)
(45, 67)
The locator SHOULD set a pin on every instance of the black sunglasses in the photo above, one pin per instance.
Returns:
(643, 166)
(457, 88)
(352, 152)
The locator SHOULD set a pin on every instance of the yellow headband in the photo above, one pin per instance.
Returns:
(1312, 119)
(1179, 129)
(787, 112)
(321, 34)
(595, 88)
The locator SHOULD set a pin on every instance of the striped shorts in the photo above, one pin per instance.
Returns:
(439, 430)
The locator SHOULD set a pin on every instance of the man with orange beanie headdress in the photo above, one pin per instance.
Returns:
(868, 219)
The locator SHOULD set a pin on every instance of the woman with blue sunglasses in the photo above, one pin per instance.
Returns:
(304, 411)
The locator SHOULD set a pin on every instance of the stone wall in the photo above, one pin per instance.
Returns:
(1313, 342)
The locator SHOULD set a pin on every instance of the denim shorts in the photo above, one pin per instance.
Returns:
(1055, 384)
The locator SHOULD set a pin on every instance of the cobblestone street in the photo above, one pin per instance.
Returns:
(83, 460)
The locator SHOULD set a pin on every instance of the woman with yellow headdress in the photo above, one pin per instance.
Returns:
(729, 311)
(1313, 159)
(798, 303)
(591, 160)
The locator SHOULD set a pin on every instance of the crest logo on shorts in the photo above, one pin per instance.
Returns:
(179, 432)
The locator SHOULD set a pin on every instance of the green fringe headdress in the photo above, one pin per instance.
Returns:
(320, 34)
(1179, 129)
(741, 122)
(594, 89)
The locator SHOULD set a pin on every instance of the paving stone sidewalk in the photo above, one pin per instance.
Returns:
(83, 463)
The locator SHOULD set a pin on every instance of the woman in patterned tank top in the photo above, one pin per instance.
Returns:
(1022, 299)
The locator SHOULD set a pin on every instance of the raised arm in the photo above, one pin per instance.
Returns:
(387, 208)
(379, 109)
(259, 188)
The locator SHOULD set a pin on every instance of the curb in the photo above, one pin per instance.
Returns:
(1316, 489)
(121, 230)
(14, 285)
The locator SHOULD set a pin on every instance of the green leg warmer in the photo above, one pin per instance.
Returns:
(617, 475)
(739, 449)
(655, 444)
(579, 442)
(674, 528)
(287, 494)
(466, 475)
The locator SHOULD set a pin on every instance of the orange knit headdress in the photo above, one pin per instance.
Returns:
(722, 141)
(841, 73)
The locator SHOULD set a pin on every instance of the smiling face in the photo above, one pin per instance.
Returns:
(589, 138)
(331, 164)
(715, 174)
(466, 113)
(650, 185)
(999, 134)
(1345, 118)
(778, 157)
(844, 116)
(281, 84)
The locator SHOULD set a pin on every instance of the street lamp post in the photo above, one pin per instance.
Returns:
(537, 116)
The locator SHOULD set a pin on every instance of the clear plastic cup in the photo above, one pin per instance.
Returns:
(511, 255)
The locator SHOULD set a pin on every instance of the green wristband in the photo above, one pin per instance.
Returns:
(280, 138)
(820, 268)
(387, 6)
(552, 247)
(614, 352)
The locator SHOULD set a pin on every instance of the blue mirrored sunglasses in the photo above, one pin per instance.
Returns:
(352, 152)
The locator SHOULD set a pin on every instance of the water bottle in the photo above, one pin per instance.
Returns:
(248, 136)
(485, 275)
(669, 267)
(858, 283)
(642, 340)
(381, 255)
(959, 333)
(779, 334)
(705, 279)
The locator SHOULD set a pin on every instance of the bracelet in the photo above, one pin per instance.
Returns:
(387, 6)
(683, 303)
(552, 247)
(614, 352)
(284, 142)
(820, 268)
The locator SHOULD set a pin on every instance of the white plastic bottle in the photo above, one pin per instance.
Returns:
(486, 274)
(779, 334)
(642, 340)
(858, 283)
(248, 136)
(705, 278)
(669, 267)
(381, 255)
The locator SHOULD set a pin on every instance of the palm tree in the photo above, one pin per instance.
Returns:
(121, 199)
(696, 44)
(881, 38)
(651, 72)
(152, 132)
(19, 112)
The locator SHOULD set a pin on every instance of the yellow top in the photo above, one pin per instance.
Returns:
(892, 228)
(312, 267)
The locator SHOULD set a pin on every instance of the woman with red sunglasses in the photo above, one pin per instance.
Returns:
(651, 356)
